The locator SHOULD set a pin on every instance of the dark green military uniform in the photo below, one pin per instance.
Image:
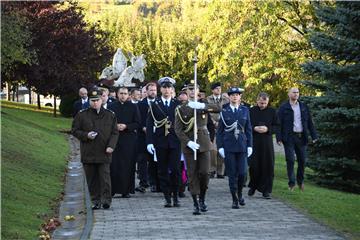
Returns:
(197, 170)
(95, 160)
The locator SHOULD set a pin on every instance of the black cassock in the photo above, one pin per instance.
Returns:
(261, 162)
(122, 168)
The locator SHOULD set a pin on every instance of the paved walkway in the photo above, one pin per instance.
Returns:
(144, 217)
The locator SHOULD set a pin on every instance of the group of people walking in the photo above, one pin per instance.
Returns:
(157, 133)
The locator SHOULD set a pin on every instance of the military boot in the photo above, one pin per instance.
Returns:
(202, 204)
(196, 205)
(235, 200)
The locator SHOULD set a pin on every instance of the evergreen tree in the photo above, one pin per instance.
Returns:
(335, 158)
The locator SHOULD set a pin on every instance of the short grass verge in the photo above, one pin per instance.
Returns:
(34, 155)
(339, 210)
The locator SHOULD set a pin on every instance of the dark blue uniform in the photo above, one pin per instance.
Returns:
(146, 164)
(167, 146)
(235, 143)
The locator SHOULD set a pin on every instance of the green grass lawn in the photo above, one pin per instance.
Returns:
(337, 209)
(34, 156)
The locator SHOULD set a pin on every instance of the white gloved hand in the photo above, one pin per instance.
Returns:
(150, 148)
(193, 145)
(92, 135)
(196, 105)
(222, 152)
(249, 151)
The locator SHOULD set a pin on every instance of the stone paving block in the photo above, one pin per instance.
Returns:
(144, 217)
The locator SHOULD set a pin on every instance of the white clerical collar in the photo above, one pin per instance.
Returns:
(134, 102)
(84, 100)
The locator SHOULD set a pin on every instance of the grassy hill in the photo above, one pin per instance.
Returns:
(34, 156)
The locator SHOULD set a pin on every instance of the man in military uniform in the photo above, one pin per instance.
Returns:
(234, 141)
(197, 170)
(217, 162)
(96, 129)
(162, 141)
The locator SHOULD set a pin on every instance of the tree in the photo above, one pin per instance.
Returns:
(335, 158)
(15, 40)
(70, 53)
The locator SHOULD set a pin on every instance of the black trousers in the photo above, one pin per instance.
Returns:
(142, 166)
(169, 169)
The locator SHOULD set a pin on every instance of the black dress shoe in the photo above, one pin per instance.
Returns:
(140, 189)
(181, 195)
(125, 195)
(266, 195)
(153, 188)
(242, 201)
(212, 175)
(96, 206)
(203, 206)
(220, 176)
(251, 192)
(167, 204)
(106, 206)
(176, 203)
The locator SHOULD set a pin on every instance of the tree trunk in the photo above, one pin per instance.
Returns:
(13, 93)
(54, 106)
(17, 93)
(38, 101)
(29, 94)
(8, 91)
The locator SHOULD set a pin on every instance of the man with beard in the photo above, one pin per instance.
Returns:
(123, 161)
(148, 172)
(265, 123)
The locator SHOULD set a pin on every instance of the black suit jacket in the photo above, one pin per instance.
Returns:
(79, 106)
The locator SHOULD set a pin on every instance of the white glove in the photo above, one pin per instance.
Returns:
(249, 151)
(196, 105)
(150, 148)
(222, 152)
(92, 135)
(193, 145)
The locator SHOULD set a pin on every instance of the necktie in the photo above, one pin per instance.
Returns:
(166, 103)
(235, 110)
(217, 100)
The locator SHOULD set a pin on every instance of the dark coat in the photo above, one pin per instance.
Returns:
(78, 106)
(143, 109)
(122, 168)
(226, 139)
(158, 137)
(286, 118)
(104, 123)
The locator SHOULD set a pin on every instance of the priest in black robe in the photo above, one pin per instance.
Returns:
(261, 164)
(122, 168)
